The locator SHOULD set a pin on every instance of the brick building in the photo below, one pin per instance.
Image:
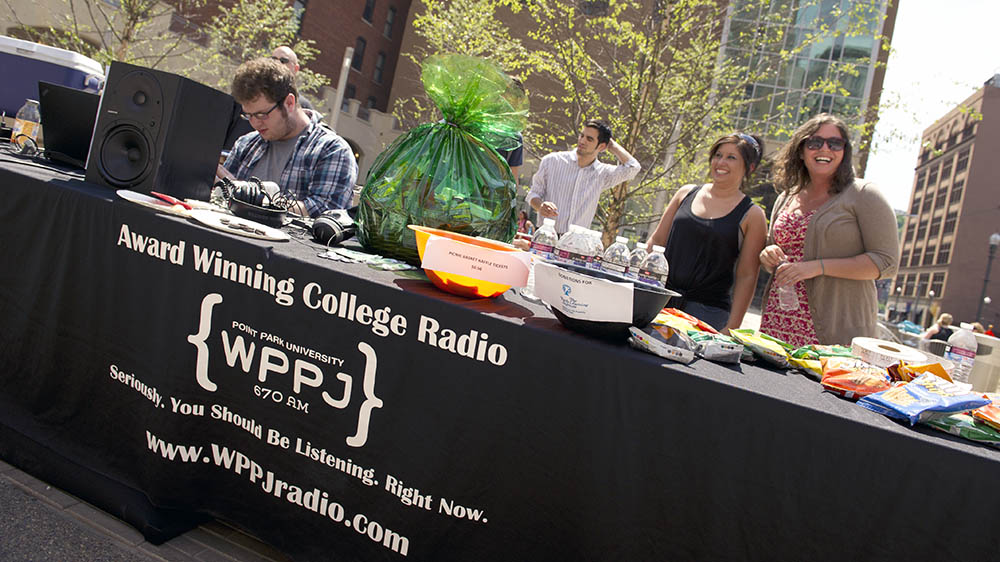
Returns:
(954, 209)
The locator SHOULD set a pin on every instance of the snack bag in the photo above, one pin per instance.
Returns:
(990, 413)
(906, 372)
(716, 347)
(852, 378)
(964, 425)
(664, 318)
(770, 349)
(808, 357)
(448, 174)
(694, 321)
(675, 347)
(923, 398)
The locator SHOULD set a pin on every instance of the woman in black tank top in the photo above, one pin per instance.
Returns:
(713, 236)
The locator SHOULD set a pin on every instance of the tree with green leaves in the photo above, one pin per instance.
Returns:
(658, 71)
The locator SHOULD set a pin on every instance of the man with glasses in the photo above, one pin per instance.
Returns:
(289, 145)
(286, 56)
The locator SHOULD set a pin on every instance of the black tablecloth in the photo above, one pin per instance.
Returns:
(168, 372)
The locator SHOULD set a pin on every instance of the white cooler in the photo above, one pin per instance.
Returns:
(985, 375)
(25, 63)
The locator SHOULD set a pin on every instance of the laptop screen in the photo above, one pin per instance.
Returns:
(68, 117)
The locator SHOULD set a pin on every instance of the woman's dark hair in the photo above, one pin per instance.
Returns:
(264, 76)
(790, 173)
(751, 148)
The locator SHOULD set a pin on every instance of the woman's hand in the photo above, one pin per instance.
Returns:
(772, 256)
(789, 273)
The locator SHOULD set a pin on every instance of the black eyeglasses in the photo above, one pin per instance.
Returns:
(260, 115)
(836, 144)
(282, 60)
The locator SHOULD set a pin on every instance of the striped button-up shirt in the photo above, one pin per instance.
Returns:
(575, 190)
(321, 172)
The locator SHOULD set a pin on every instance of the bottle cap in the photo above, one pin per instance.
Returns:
(657, 248)
(621, 239)
(547, 220)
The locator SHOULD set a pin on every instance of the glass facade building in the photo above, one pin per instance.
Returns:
(795, 48)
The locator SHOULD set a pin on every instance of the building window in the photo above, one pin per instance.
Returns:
(908, 289)
(593, 8)
(923, 283)
(963, 161)
(920, 180)
(969, 131)
(379, 66)
(390, 17)
(909, 232)
(915, 207)
(932, 178)
(299, 9)
(956, 191)
(922, 230)
(935, 227)
(359, 53)
(929, 255)
(349, 92)
(937, 284)
(949, 222)
(946, 170)
(927, 204)
(942, 197)
(944, 252)
(369, 11)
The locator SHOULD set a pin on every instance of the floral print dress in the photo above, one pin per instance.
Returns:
(794, 327)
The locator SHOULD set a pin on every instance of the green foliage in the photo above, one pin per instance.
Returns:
(658, 72)
(254, 28)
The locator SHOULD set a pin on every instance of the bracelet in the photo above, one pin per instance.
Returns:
(822, 269)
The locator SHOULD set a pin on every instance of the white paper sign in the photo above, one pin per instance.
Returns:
(459, 258)
(581, 296)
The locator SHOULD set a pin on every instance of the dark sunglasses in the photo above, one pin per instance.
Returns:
(282, 60)
(836, 144)
(260, 115)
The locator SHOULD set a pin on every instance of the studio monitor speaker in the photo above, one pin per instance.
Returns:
(157, 131)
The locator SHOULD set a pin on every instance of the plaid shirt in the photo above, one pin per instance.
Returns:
(321, 172)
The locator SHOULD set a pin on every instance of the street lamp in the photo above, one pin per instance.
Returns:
(994, 242)
(899, 293)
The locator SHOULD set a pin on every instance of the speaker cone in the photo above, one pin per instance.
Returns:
(125, 156)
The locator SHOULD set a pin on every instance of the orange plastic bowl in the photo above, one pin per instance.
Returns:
(460, 284)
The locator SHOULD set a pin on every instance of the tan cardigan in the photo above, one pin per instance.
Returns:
(858, 220)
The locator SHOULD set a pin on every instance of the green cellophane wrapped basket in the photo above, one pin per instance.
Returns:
(448, 175)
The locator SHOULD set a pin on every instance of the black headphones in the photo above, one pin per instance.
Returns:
(335, 226)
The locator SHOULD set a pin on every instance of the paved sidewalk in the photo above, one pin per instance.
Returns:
(42, 523)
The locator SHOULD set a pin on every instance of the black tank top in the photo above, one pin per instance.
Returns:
(702, 253)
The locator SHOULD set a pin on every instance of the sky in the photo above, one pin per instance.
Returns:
(942, 53)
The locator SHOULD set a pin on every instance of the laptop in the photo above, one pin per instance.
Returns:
(68, 118)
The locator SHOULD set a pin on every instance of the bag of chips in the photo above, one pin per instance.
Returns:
(906, 372)
(989, 413)
(664, 342)
(964, 425)
(716, 347)
(808, 357)
(852, 378)
(448, 174)
(768, 348)
(923, 398)
(698, 324)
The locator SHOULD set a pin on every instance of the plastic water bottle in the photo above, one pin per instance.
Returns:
(616, 257)
(788, 299)
(654, 269)
(961, 349)
(597, 247)
(26, 122)
(575, 247)
(635, 260)
(543, 245)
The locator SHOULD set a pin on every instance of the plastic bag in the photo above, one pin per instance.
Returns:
(768, 348)
(852, 378)
(965, 426)
(448, 175)
(807, 358)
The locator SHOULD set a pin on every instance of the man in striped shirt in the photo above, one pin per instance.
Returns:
(568, 185)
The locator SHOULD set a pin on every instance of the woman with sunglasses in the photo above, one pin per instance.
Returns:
(713, 234)
(832, 235)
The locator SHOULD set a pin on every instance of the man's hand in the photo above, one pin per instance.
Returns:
(548, 209)
(221, 172)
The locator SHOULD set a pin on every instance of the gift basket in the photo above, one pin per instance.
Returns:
(448, 175)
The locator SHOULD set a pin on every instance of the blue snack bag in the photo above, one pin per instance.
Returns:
(923, 398)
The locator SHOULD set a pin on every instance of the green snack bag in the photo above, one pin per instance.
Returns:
(448, 174)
